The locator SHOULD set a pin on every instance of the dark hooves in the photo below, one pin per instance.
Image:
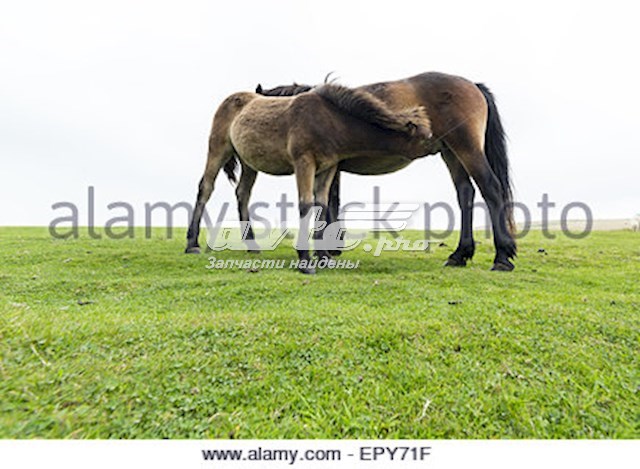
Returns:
(324, 256)
(252, 246)
(503, 266)
(336, 253)
(453, 262)
(307, 271)
(192, 250)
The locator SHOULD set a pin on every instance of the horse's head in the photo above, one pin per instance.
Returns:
(288, 90)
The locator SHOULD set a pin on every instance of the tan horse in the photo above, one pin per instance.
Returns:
(468, 133)
(309, 135)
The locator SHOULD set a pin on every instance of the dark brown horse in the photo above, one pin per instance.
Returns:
(468, 133)
(308, 134)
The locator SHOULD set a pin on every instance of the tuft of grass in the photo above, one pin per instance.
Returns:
(132, 339)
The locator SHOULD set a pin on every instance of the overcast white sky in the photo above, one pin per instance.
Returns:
(120, 94)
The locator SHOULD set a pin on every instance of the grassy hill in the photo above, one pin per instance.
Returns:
(132, 339)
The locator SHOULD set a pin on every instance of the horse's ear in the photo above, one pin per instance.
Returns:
(259, 89)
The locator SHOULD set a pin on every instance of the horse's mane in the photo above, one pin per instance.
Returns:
(360, 104)
(365, 106)
(287, 90)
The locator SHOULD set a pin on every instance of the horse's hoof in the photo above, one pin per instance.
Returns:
(252, 246)
(192, 250)
(308, 271)
(335, 253)
(324, 256)
(453, 262)
(503, 266)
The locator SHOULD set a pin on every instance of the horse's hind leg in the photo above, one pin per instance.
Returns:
(334, 211)
(477, 166)
(466, 194)
(218, 156)
(322, 187)
(243, 193)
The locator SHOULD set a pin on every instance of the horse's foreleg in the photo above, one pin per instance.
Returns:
(243, 193)
(466, 194)
(322, 186)
(305, 169)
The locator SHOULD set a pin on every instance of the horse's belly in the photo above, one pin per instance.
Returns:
(373, 165)
(265, 162)
(260, 150)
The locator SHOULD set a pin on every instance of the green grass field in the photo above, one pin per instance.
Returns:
(133, 339)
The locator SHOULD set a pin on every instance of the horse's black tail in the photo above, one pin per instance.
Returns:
(495, 147)
(230, 169)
